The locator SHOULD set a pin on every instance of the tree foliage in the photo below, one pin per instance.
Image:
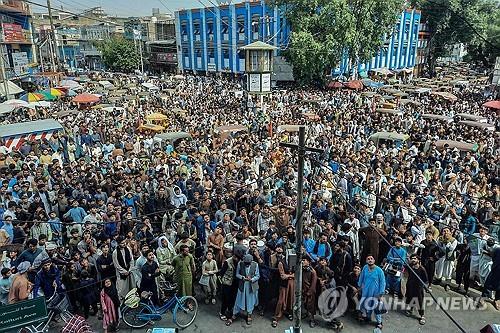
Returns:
(483, 51)
(119, 54)
(323, 31)
(460, 21)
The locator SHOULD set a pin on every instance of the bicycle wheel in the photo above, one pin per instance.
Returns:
(26, 329)
(131, 316)
(185, 311)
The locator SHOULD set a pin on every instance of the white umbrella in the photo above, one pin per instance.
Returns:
(19, 102)
(42, 104)
(7, 108)
(111, 108)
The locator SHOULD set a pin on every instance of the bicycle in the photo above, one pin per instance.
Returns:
(140, 315)
(57, 304)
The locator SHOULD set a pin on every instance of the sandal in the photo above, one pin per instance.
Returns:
(290, 317)
(312, 324)
(230, 321)
(422, 321)
(274, 323)
(222, 317)
(408, 313)
(249, 320)
(379, 326)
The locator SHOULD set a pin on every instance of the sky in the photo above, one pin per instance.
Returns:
(123, 7)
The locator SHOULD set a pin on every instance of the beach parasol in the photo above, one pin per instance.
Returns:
(32, 97)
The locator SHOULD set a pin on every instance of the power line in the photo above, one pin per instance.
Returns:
(75, 14)
(164, 5)
(462, 18)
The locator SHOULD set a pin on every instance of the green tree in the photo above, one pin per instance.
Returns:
(119, 54)
(323, 31)
(458, 21)
(485, 49)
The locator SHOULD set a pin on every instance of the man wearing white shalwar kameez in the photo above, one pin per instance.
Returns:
(124, 264)
(248, 290)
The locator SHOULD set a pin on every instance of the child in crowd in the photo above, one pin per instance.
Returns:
(208, 278)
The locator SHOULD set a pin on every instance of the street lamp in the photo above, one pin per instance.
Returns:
(258, 68)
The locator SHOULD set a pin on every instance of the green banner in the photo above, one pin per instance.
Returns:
(22, 313)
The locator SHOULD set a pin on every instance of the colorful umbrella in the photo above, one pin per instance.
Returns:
(86, 98)
(32, 97)
(55, 92)
(47, 96)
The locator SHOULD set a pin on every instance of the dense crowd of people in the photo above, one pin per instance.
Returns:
(105, 207)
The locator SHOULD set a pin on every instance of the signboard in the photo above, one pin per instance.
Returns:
(12, 33)
(166, 57)
(266, 82)
(211, 67)
(22, 313)
(20, 62)
(496, 72)
(254, 82)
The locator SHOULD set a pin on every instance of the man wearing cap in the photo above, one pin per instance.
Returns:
(21, 287)
(123, 260)
(47, 253)
(48, 280)
(396, 258)
(247, 297)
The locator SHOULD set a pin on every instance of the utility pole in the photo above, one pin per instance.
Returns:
(140, 52)
(2, 63)
(53, 57)
(301, 149)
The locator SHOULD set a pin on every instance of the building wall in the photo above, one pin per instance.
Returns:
(17, 38)
(208, 39)
(399, 49)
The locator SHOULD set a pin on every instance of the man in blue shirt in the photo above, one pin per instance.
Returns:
(397, 258)
(321, 249)
(308, 242)
(76, 213)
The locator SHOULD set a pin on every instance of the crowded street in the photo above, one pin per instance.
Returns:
(180, 184)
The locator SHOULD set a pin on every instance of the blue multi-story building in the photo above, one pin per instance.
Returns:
(17, 40)
(208, 39)
(399, 49)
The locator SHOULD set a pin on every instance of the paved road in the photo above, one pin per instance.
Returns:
(472, 321)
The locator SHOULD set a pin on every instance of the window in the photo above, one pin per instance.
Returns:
(225, 28)
(196, 30)
(210, 27)
(225, 53)
(210, 30)
(255, 27)
(211, 53)
(196, 27)
(241, 27)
